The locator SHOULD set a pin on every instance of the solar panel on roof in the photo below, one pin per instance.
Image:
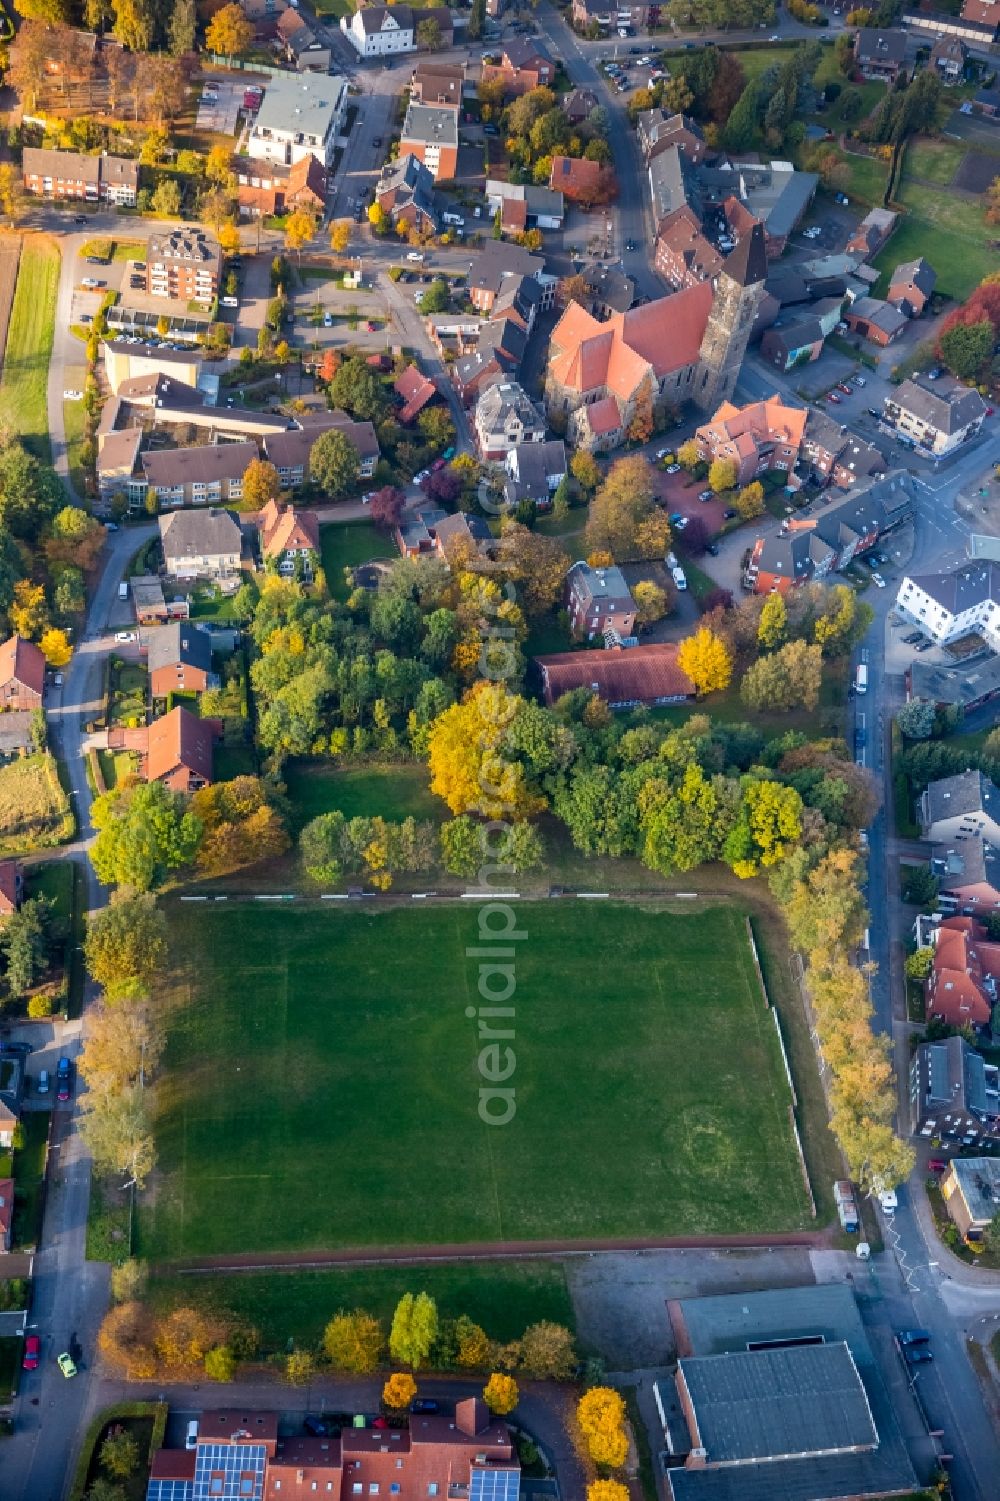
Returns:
(494, 1485)
(229, 1472)
(169, 1490)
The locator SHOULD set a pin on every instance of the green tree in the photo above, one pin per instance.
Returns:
(357, 389)
(126, 946)
(773, 623)
(354, 1342)
(916, 720)
(118, 1133)
(334, 463)
(144, 833)
(129, 1280)
(787, 679)
(321, 845)
(24, 943)
(918, 964)
(429, 35)
(680, 823)
(414, 1329)
(741, 126)
(967, 348)
(134, 24)
(167, 197)
(181, 28)
(547, 1352)
(463, 849)
(220, 1364)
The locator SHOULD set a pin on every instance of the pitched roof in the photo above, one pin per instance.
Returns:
(602, 416)
(637, 674)
(798, 549)
(916, 273)
(966, 862)
(523, 52)
(206, 463)
(600, 586)
(963, 588)
(415, 389)
(876, 311)
(967, 792)
(962, 685)
(22, 662)
(946, 404)
(762, 422)
(71, 166)
(307, 174)
(680, 233)
(747, 264)
(180, 643)
(179, 740)
(9, 873)
(200, 533)
(575, 174)
(877, 44)
(285, 529)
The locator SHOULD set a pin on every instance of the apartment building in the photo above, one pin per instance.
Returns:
(209, 475)
(301, 116)
(937, 416)
(948, 606)
(185, 264)
(430, 133)
(72, 174)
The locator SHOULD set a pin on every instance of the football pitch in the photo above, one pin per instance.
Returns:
(323, 1083)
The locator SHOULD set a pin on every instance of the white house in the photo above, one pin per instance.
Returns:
(948, 606)
(380, 30)
(966, 806)
(936, 417)
(301, 116)
(504, 418)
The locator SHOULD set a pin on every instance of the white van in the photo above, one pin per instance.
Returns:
(123, 590)
(679, 577)
(861, 679)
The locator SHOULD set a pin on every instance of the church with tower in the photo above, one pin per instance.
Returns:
(687, 347)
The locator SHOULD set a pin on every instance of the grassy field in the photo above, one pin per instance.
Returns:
(34, 808)
(395, 792)
(325, 1050)
(949, 231)
(932, 161)
(23, 386)
(75, 423)
(345, 544)
(504, 1297)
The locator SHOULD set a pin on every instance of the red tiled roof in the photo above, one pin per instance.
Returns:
(416, 391)
(179, 739)
(173, 1464)
(283, 528)
(637, 673)
(22, 662)
(954, 989)
(574, 174)
(603, 416)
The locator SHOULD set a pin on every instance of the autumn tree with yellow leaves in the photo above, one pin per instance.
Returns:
(600, 1416)
(399, 1391)
(707, 660)
(500, 1393)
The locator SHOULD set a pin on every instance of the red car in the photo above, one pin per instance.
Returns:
(847, 390)
(937, 1165)
(832, 396)
(989, 412)
(32, 1352)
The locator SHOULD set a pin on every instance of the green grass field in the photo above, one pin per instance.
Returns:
(75, 424)
(321, 1087)
(23, 387)
(502, 1296)
(949, 231)
(345, 544)
(395, 792)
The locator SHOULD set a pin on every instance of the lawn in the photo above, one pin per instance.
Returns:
(503, 1297)
(29, 1177)
(116, 766)
(933, 161)
(75, 423)
(24, 384)
(395, 792)
(34, 807)
(947, 230)
(129, 691)
(320, 1085)
(345, 544)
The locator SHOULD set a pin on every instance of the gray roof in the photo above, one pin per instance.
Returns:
(180, 642)
(881, 45)
(503, 400)
(604, 586)
(497, 261)
(431, 124)
(798, 333)
(524, 52)
(957, 1076)
(967, 862)
(70, 166)
(918, 273)
(536, 461)
(879, 312)
(979, 1180)
(287, 450)
(200, 533)
(186, 247)
(373, 18)
(778, 1403)
(208, 463)
(610, 285)
(154, 352)
(946, 403)
(668, 181)
(119, 451)
(967, 792)
(960, 685)
(963, 588)
(299, 102)
(545, 201)
(876, 508)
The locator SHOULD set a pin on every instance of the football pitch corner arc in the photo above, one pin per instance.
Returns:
(320, 1084)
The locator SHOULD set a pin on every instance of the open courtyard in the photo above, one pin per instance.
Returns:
(321, 1084)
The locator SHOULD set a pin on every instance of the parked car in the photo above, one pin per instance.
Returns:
(913, 638)
(377, 141)
(72, 396)
(878, 580)
(706, 495)
(42, 1083)
(424, 1404)
(887, 1199)
(438, 464)
(917, 1354)
(675, 517)
(832, 396)
(914, 1337)
(843, 386)
(314, 1426)
(66, 1364)
(90, 281)
(937, 1165)
(327, 320)
(712, 548)
(370, 327)
(191, 1440)
(923, 645)
(32, 1352)
(415, 255)
(874, 412)
(859, 380)
(63, 1080)
(673, 468)
(730, 513)
(125, 636)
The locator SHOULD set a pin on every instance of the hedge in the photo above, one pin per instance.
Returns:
(155, 1410)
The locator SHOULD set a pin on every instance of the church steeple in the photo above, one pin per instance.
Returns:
(737, 296)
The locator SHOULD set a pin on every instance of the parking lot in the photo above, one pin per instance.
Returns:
(219, 107)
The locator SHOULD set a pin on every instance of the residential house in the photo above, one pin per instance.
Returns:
(150, 605)
(179, 750)
(875, 320)
(968, 876)
(948, 606)
(612, 15)
(381, 30)
(185, 264)
(289, 451)
(986, 103)
(414, 390)
(265, 188)
(201, 544)
(71, 174)
(534, 471)
(688, 346)
(497, 355)
(405, 191)
(500, 267)
(11, 887)
(204, 475)
(971, 1191)
(966, 686)
(964, 806)
(461, 1451)
(609, 291)
(22, 675)
(428, 530)
(522, 206)
(658, 131)
(598, 600)
(581, 181)
(6, 1214)
(810, 548)
(873, 231)
(436, 82)
(505, 417)
(879, 53)
(683, 255)
(758, 438)
(179, 659)
(9, 1116)
(961, 987)
(301, 45)
(948, 58)
(954, 1093)
(937, 416)
(301, 116)
(524, 65)
(578, 104)
(911, 285)
(289, 538)
(415, 530)
(791, 342)
(982, 13)
(430, 133)
(836, 456)
(622, 677)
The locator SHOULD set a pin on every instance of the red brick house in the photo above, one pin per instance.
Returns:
(414, 390)
(524, 65)
(179, 660)
(582, 181)
(269, 188)
(911, 286)
(179, 750)
(762, 436)
(288, 536)
(22, 674)
(963, 973)
(877, 321)
(623, 677)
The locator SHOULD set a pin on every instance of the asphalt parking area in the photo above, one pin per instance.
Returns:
(220, 114)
